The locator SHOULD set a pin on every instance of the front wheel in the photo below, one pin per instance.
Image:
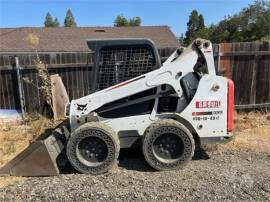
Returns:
(93, 148)
(167, 145)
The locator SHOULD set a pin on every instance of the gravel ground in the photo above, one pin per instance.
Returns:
(212, 175)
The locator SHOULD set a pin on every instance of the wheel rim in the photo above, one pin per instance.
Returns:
(168, 147)
(92, 151)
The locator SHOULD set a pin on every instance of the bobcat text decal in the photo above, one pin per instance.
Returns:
(208, 104)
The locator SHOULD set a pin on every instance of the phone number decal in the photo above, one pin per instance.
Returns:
(205, 116)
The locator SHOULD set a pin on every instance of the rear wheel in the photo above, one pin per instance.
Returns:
(167, 145)
(93, 148)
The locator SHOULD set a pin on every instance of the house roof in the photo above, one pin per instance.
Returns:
(73, 39)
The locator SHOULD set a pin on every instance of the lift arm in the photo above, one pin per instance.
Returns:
(181, 62)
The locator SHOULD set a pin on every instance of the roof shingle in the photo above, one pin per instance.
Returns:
(73, 39)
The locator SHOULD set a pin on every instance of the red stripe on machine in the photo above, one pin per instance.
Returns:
(125, 83)
(230, 106)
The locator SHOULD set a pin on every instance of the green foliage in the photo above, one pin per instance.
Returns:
(194, 25)
(56, 22)
(251, 24)
(201, 22)
(181, 39)
(136, 21)
(121, 21)
(69, 19)
(49, 22)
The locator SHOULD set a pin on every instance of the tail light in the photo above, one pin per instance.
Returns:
(230, 106)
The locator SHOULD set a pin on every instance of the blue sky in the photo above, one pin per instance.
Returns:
(174, 13)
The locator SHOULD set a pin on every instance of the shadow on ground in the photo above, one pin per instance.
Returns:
(132, 159)
(200, 154)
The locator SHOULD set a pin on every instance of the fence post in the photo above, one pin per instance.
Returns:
(21, 94)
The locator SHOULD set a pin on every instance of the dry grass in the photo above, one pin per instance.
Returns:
(14, 139)
(252, 133)
(44, 80)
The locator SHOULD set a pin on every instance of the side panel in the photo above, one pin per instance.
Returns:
(136, 123)
(207, 111)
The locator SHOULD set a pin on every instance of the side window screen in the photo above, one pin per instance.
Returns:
(120, 63)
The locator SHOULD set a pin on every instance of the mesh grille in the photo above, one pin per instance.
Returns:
(118, 64)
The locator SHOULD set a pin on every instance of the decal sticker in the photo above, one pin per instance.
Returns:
(208, 104)
(206, 113)
(204, 116)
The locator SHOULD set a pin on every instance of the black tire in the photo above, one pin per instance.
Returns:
(93, 148)
(167, 145)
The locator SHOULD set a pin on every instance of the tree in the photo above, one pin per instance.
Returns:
(195, 24)
(250, 24)
(201, 22)
(56, 22)
(48, 20)
(121, 21)
(181, 39)
(136, 21)
(69, 19)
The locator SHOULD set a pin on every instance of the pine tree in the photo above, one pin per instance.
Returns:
(195, 24)
(69, 19)
(201, 23)
(49, 20)
(56, 22)
(181, 39)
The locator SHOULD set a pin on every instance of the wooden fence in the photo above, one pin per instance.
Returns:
(248, 64)
(75, 69)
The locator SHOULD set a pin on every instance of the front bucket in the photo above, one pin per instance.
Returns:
(41, 158)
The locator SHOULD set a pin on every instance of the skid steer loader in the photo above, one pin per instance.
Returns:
(165, 110)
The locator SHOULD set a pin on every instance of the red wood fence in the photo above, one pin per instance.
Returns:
(248, 64)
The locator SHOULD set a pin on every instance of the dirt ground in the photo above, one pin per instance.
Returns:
(238, 170)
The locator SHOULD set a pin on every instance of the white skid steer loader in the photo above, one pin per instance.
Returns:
(165, 111)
